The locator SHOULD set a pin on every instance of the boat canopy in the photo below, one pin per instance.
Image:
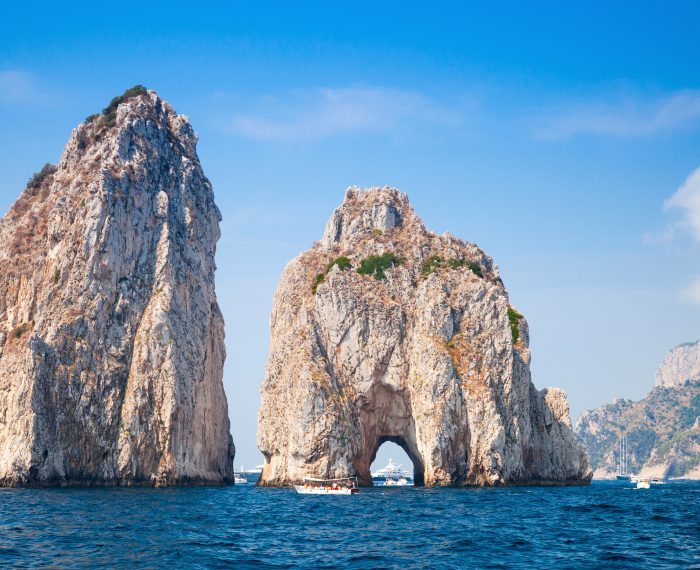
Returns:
(330, 480)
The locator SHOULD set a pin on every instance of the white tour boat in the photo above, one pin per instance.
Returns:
(313, 486)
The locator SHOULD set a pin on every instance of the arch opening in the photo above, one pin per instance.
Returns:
(378, 461)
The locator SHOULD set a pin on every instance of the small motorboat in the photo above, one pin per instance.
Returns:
(239, 478)
(400, 482)
(313, 486)
(643, 483)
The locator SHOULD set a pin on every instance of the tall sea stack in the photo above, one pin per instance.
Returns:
(384, 331)
(111, 339)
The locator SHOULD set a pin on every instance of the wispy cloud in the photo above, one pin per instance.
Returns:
(624, 118)
(319, 113)
(687, 199)
(17, 86)
(692, 293)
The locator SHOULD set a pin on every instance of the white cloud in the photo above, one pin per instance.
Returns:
(692, 293)
(627, 117)
(324, 112)
(687, 198)
(16, 86)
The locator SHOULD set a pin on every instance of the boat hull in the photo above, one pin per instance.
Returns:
(303, 490)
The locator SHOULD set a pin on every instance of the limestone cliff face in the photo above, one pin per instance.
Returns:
(385, 331)
(680, 364)
(662, 429)
(111, 339)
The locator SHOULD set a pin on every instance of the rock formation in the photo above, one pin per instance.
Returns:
(385, 331)
(111, 339)
(679, 365)
(662, 430)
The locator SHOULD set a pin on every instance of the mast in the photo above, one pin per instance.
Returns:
(619, 456)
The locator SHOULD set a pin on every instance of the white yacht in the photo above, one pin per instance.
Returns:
(392, 475)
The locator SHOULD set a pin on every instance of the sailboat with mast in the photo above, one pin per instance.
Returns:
(622, 474)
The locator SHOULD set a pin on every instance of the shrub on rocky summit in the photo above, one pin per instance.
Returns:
(378, 264)
(38, 177)
(110, 111)
(108, 117)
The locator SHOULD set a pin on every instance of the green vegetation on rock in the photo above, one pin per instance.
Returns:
(38, 177)
(110, 111)
(476, 269)
(343, 264)
(514, 318)
(377, 265)
(108, 117)
(661, 431)
(319, 279)
(432, 264)
(435, 262)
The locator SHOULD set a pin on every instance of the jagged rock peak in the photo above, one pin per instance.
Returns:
(365, 211)
(680, 364)
(111, 339)
(385, 331)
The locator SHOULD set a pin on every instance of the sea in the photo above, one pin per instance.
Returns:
(604, 525)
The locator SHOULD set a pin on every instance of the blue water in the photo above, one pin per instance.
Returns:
(601, 526)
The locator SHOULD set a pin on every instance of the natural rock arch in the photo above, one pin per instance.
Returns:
(386, 331)
(410, 448)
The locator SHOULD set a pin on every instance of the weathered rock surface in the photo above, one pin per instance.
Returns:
(680, 365)
(662, 430)
(419, 350)
(111, 339)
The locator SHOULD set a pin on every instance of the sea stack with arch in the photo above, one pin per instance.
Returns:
(385, 331)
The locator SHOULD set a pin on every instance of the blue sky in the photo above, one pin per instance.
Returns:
(560, 139)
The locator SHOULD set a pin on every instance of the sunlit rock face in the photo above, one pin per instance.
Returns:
(111, 339)
(384, 331)
(680, 364)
